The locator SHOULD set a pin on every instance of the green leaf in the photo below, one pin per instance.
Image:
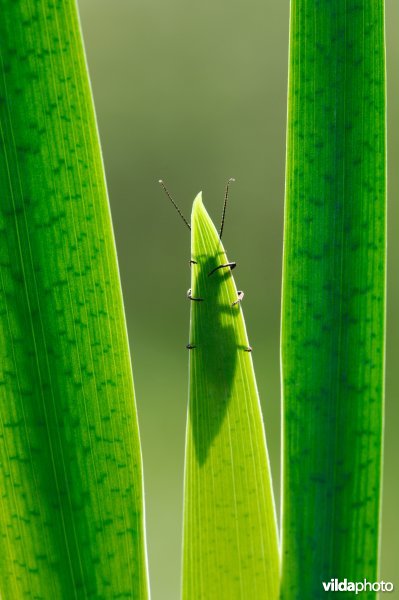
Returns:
(71, 501)
(230, 539)
(334, 295)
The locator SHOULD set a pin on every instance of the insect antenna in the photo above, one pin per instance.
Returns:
(174, 203)
(226, 195)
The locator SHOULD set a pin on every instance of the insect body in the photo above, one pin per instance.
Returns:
(217, 330)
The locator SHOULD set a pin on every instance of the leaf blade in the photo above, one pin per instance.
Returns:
(334, 295)
(72, 505)
(230, 536)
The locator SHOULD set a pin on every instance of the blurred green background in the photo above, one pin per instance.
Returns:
(194, 93)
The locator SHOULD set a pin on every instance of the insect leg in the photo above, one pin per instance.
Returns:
(232, 265)
(189, 296)
(239, 298)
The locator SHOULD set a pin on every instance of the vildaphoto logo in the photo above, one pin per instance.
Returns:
(357, 586)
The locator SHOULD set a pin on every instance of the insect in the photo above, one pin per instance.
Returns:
(209, 263)
(218, 338)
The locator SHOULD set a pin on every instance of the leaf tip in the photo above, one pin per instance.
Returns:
(197, 201)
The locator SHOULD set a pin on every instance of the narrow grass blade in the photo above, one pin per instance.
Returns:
(230, 541)
(71, 507)
(333, 295)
